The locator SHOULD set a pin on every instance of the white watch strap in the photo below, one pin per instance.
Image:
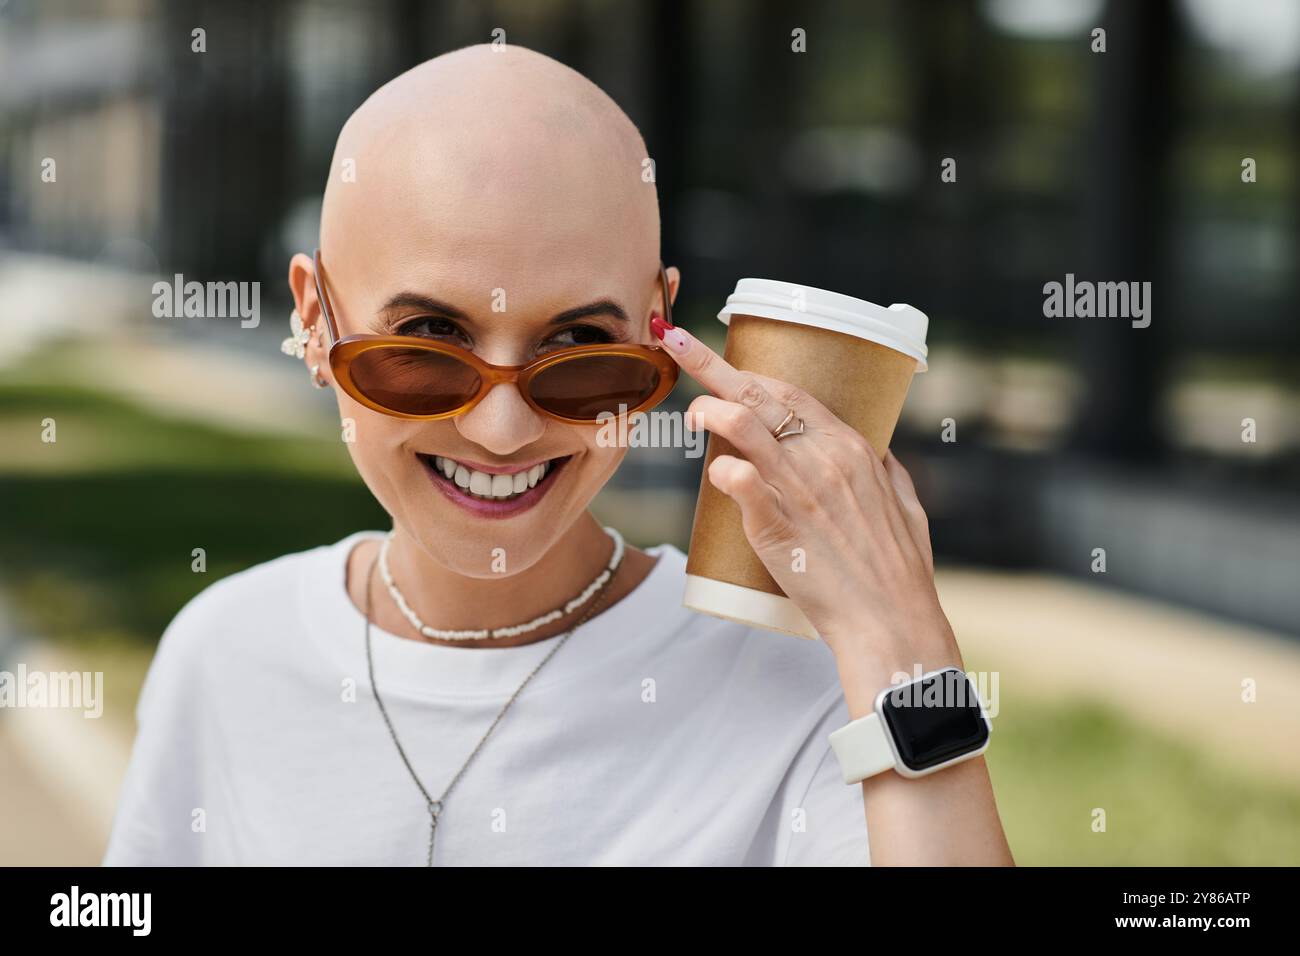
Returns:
(863, 749)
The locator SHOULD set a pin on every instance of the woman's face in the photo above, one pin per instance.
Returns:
(529, 477)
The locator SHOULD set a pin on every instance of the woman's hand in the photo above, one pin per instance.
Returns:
(868, 584)
(867, 572)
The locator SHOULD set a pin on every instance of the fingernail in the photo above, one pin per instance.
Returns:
(674, 339)
(658, 326)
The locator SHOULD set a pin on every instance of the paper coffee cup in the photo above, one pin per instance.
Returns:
(857, 359)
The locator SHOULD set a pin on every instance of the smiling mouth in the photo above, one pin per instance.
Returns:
(504, 492)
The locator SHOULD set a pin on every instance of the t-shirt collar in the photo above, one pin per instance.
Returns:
(420, 669)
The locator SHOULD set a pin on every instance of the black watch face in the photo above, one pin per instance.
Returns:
(935, 719)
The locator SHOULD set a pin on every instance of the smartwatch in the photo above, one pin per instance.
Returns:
(917, 728)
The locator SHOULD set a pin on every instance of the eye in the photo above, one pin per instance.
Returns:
(580, 335)
(432, 327)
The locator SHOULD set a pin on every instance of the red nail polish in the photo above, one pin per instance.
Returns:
(658, 326)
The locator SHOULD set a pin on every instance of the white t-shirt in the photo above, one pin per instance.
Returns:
(655, 736)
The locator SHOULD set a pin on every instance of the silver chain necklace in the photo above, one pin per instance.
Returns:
(435, 806)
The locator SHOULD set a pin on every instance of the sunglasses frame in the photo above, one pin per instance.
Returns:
(344, 351)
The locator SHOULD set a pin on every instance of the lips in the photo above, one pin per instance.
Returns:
(500, 492)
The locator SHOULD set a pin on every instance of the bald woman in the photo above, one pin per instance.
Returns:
(498, 679)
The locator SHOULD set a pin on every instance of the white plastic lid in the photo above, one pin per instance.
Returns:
(899, 327)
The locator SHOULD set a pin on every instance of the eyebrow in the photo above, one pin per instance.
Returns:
(601, 307)
(429, 305)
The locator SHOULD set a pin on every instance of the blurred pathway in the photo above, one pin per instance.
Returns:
(37, 827)
(59, 773)
(1176, 670)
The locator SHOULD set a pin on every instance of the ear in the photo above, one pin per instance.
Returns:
(302, 284)
(674, 282)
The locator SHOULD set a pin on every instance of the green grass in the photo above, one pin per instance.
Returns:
(98, 544)
(113, 552)
(102, 433)
(1054, 762)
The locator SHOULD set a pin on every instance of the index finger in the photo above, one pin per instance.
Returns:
(725, 380)
(721, 378)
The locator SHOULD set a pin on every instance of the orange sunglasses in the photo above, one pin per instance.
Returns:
(407, 376)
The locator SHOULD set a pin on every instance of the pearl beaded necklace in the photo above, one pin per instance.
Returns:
(511, 630)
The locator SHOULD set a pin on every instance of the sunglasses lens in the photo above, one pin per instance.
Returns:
(414, 381)
(584, 387)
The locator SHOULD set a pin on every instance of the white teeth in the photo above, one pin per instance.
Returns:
(484, 485)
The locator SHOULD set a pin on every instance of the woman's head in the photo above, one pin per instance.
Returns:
(493, 199)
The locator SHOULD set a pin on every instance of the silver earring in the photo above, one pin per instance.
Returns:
(316, 380)
(294, 344)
